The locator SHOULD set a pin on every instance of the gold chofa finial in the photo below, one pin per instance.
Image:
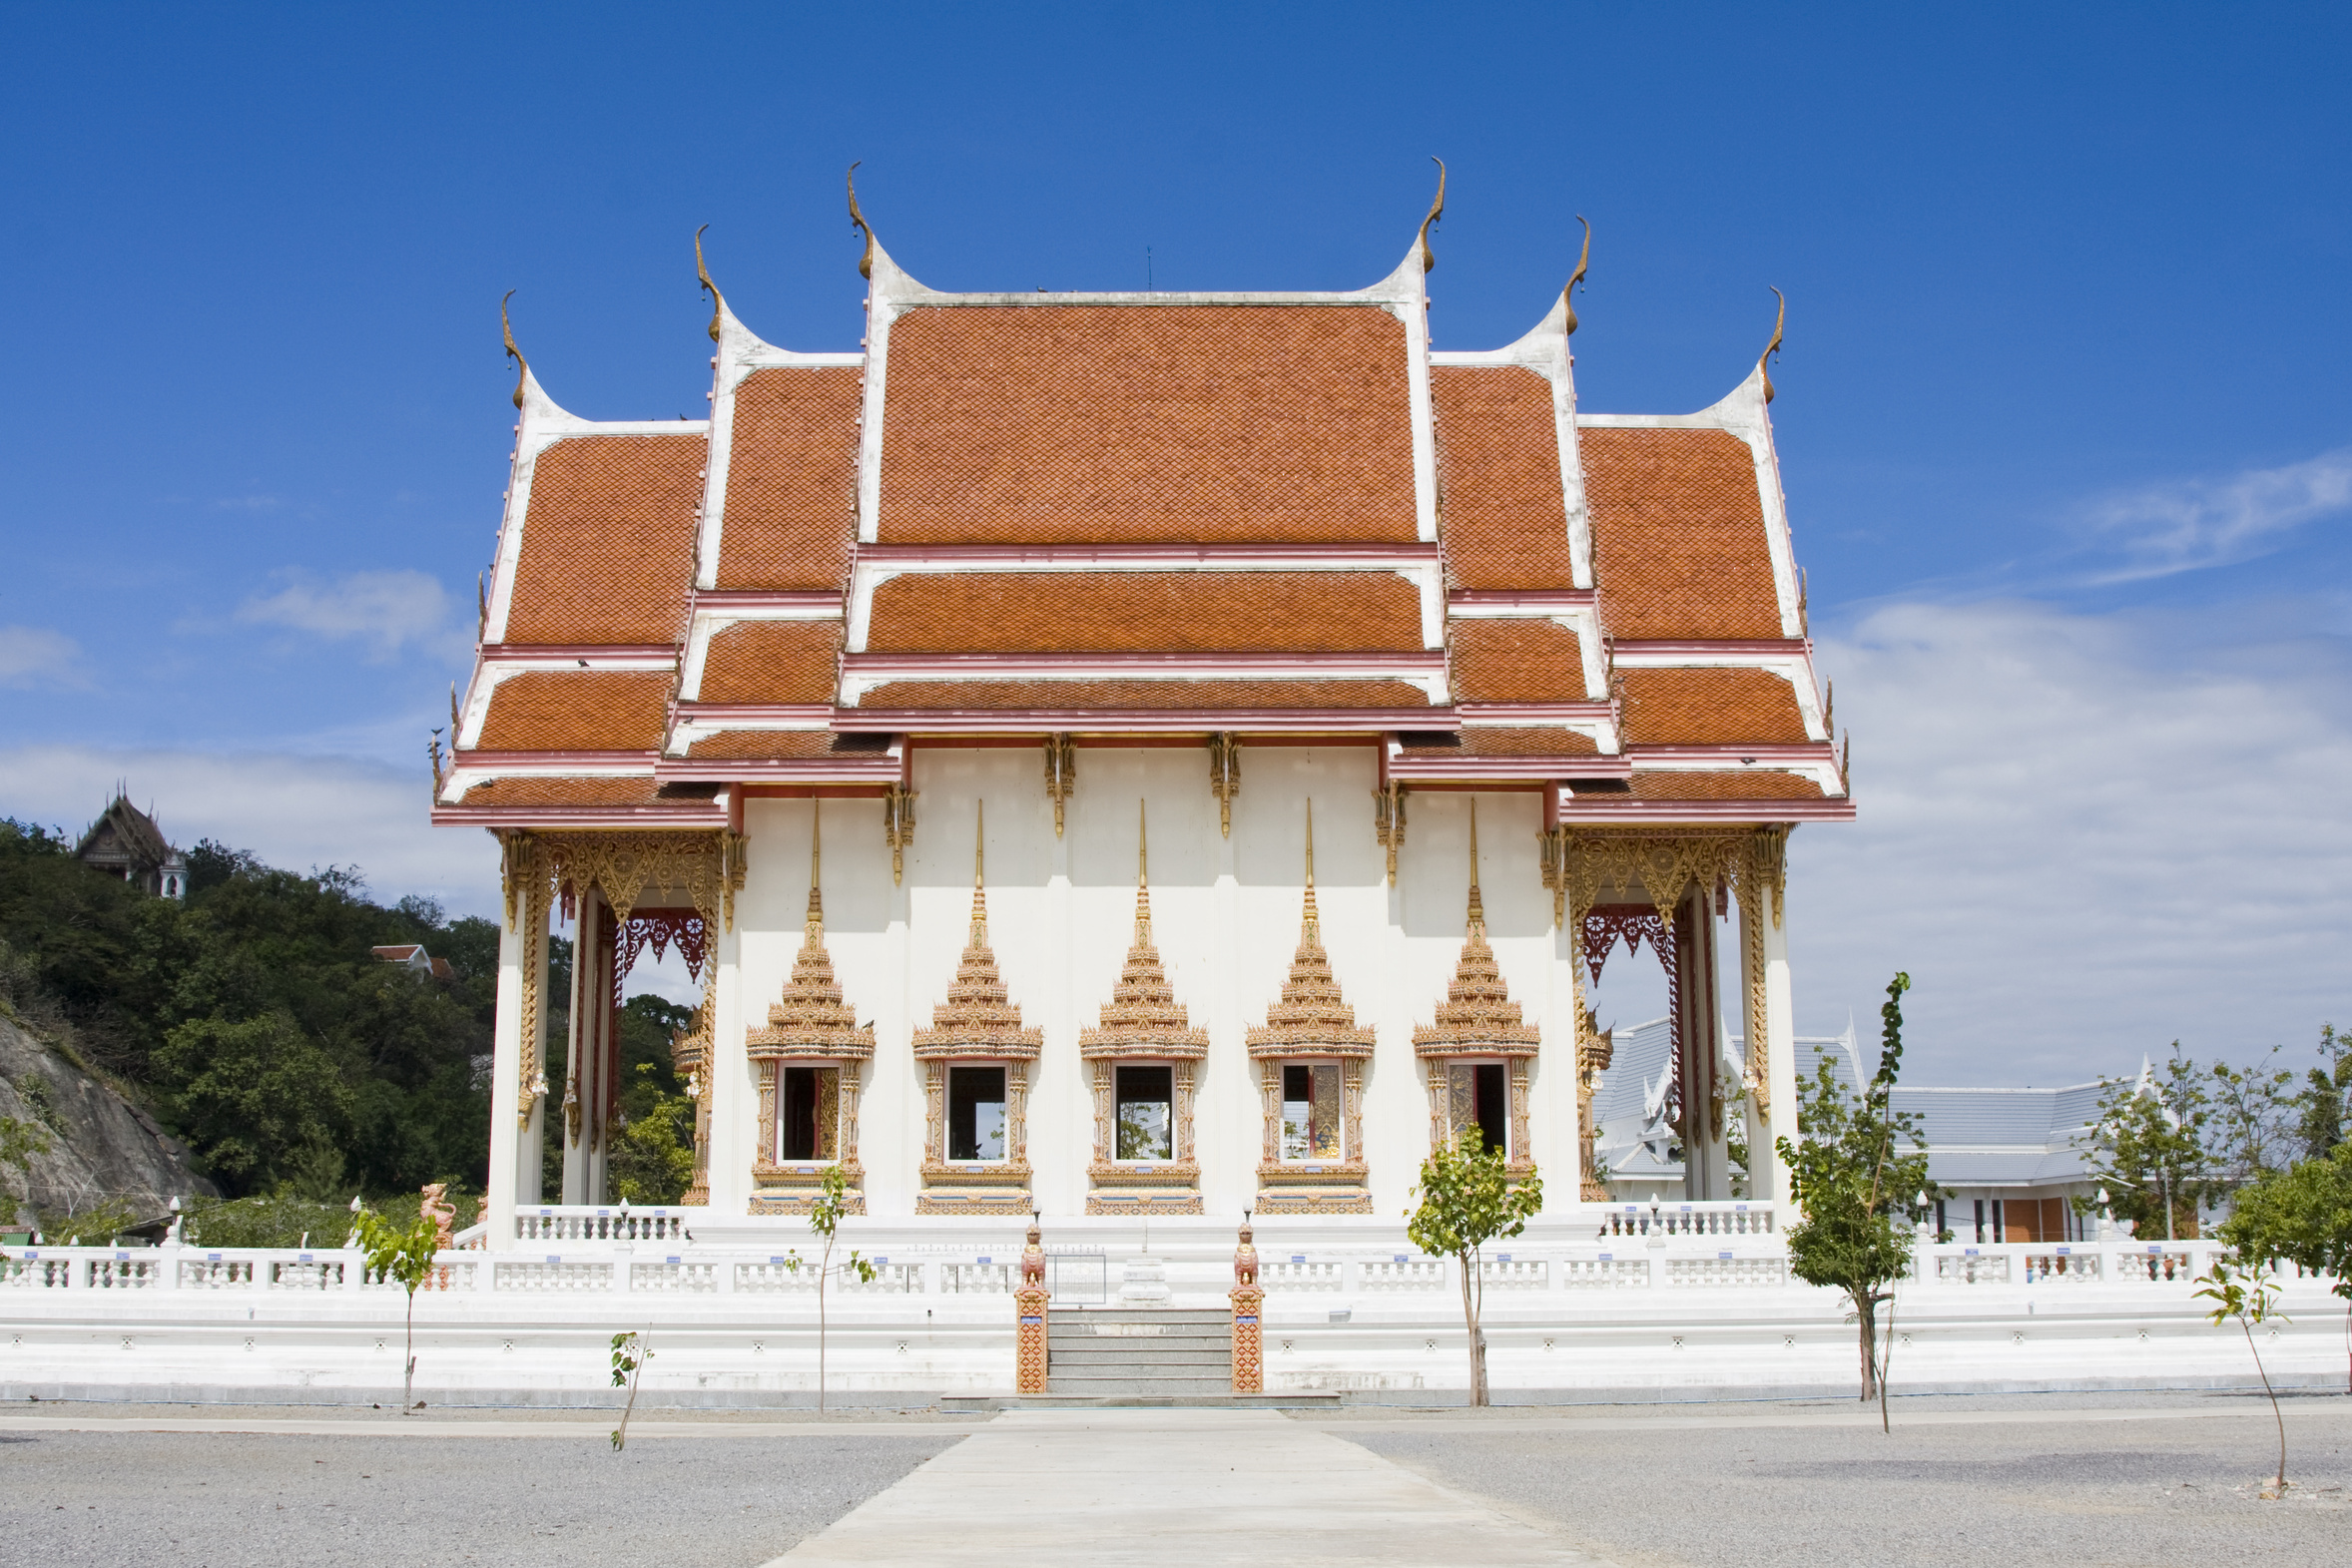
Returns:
(1764, 360)
(1567, 294)
(704, 273)
(513, 352)
(858, 222)
(1428, 260)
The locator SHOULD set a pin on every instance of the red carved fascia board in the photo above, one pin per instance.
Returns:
(1665, 650)
(599, 656)
(1731, 757)
(880, 768)
(1508, 602)
(1142, 557)
(1504, 770)
(1588, 809)
(1023, 724)
(553, 762)
(687, 814)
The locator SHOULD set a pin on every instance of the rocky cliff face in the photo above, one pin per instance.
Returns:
(100, 1144)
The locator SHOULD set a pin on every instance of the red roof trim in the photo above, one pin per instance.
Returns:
(1081, 557)
(1781, 754)
(804, 716)
(696, 814)
(881, 767)
(1534, 713)
(483, 761)
(1696, 648)
(1527, 602)
(1600, 808)
(723, 600)
(594, 652)
(1522, 768)
(1170, 666)
(1031, 722)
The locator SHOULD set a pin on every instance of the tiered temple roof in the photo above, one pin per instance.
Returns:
(1274, 515)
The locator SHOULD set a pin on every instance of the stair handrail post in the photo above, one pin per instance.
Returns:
(1249, 1345)
(1030, 1348)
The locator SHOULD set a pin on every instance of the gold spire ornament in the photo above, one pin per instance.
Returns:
(523, 373)
(1144, 1017)
(1764, 360)
(1310, 1018)
(710, 288)
(1062, 773)
(979, 1018)
(1567, 294)
(858, 222)
(810, 1019)
(1478, 1016)
(1428, 259)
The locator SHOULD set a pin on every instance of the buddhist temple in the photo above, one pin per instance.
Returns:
(1143, 753)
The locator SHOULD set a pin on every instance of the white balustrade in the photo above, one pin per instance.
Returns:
(126, 1271)
(581, 1223)
(890, 1278)
(2150, 1263)
(1603, 1273)
(554, 1274)
(305, 1272)
(1302, 1276)
(1512, 1274)
(36, 1271)
(1400, 1274)
(675, 1276)
(773, 1278)
(1972, 1267)
(1731, 1217)
(216, 1272)
(1723, 1269)
(989, 1279)
(2061, 1265)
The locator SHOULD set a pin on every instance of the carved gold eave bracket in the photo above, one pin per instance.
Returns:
(1062, 774)
(1388, 823)
(898, 827)
(1224, 776)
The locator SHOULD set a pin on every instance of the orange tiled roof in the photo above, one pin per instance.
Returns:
(1145, 612)
(1516, 660)
(779, 744)
(1678, 534)
(577, 710)
(1506, 521)
(1179, 423)
(772, 661)
(1746, 783)
(1500, 741)
(585, 791)
(792, 479)
(1165, 695)
(608, 541)
(1708, 708)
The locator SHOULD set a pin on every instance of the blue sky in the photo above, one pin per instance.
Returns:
(2063, 416)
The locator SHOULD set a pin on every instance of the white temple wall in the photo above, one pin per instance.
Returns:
(1225, 918)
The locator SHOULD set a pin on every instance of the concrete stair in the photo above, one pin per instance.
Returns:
(1139, 1353)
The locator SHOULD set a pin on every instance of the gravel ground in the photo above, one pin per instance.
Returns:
(236, 1500)
(2013, 1480)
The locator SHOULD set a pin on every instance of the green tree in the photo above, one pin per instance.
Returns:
(653, 1155)
(1853, 1174)
(2148, 1148)
(825, 1217)
(1468, 1199)
(255, 1095)
(2251, 1128)
(2303, 1215)
(404, 1255)
(2325, 1090)
(2245, 1295)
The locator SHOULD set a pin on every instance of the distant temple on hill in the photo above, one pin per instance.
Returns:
(1143, 753)
(125, 842)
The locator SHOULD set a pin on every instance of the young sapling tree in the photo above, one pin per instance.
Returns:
(1468, 1199)
(403, 1254)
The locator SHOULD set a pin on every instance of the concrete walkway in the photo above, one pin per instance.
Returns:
(1106, 1488)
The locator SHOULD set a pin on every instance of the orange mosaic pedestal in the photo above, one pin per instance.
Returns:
(1028, 1306)
(1249, 1345)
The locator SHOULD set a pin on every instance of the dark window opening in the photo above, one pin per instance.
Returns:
(1146, 1104)
(976, 1113)
(808, 1110)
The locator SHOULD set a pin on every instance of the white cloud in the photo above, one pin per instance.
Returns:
(294, 811)
(2213, 522)
(34, 655)
(2080, 841)
(387, 608)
